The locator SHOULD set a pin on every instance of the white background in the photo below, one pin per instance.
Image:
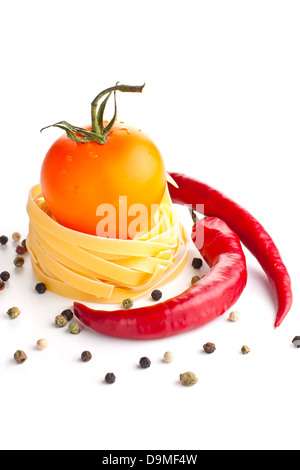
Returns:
(222, 103)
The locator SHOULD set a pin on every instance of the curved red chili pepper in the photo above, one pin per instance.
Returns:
(249, 230)
(209, 298)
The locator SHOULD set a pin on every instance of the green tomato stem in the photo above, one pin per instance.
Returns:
(99, 132)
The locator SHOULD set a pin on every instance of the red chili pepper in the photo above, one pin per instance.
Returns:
(249, 230)
(209, 298)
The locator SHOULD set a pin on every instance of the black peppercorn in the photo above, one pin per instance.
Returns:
(156, 295)
(2, 285)
(86, 356)
(68, 314)
(3, 240)
(145, 362)
(5, 276)
(110, 378)
(209, 348)
(41, 288)
(296, 341)
(197, 263)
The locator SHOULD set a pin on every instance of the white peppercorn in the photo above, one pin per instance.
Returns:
(234, 316)
(42, 344)
(169, 357)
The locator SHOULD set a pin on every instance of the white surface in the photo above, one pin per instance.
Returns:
(222, 103)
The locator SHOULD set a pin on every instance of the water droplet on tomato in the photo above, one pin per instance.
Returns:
(69, 158)
(93, 155)
(125, 129)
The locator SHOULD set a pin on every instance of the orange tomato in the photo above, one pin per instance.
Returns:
(79, 178)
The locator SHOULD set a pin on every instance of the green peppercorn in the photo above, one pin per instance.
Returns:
(13, 313)
(60, 321)
(188, 378)
(128, 303)
(195, 279)
(110, 378)
(24, 244)
(19, 261)
(245, 349)
(20, 357)
(74, 328)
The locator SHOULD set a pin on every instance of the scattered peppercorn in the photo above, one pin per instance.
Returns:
(68, 314)
(245, 349)
(145, 362)
(42, 344)
(86, 356)
(168, 357)
(195, 279)
(156, 295)
(2, 285)
(209, 348)
(14, 313)
(197, 263)
(188, 378)
(20, 250)
(16, 236)
(41, 288)
(20, 357)
(296, 341)
(5, 276)
(3, 240)
(110, 378)
(19, 262)
(128, 303)
(74, 328)
(60, 321)
(24, 244)
(234, 316)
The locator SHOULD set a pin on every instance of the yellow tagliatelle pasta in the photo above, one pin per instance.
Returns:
(95, 269)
